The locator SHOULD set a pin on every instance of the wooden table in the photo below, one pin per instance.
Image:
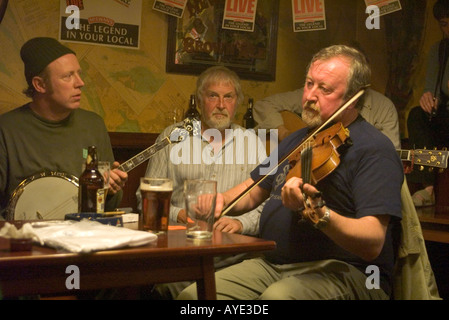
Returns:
(171, 258)
(434, 223)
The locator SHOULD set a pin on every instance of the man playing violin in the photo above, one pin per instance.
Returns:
(357, 205)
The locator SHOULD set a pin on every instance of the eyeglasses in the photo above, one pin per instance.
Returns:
(215, 97)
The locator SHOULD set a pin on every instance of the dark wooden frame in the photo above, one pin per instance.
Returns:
(3, 6)
(246, 67)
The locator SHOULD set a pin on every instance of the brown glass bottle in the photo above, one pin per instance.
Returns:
(192, 111)
(91, 192)
(248, 119)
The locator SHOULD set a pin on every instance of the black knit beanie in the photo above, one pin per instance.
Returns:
(38, 53)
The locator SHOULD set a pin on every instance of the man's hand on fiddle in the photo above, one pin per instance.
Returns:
(292, 194)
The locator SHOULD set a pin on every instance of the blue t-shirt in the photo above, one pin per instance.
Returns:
(367, 182)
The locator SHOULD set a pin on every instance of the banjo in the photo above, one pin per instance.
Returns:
(51, 195)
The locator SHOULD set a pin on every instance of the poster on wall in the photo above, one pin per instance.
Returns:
(115, 23)
(171, 7)
(198, 41)
(385, 6)
(240, 15)
(308, 15)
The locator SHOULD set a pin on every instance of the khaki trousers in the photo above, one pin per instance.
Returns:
(318, 280)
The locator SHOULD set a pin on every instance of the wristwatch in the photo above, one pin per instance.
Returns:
(324, 220)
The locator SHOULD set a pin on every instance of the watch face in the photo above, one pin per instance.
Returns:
(3, 5)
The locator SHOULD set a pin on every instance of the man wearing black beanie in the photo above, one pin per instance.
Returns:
(51, 133)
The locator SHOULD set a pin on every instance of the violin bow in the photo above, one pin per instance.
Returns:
(298, 147)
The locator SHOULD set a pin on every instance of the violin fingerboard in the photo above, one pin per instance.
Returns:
(306, 164)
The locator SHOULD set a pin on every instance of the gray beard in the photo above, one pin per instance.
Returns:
(219, 124)
(310, 117)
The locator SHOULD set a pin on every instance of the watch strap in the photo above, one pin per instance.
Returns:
(324, 220)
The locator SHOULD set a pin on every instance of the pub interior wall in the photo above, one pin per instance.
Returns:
(124, 111)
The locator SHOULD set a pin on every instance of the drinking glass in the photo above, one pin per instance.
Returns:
(200, 197)
(156, 196)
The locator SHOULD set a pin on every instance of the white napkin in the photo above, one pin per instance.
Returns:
(10, 231)
(86, 236)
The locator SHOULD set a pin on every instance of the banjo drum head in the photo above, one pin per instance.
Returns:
(47, 196)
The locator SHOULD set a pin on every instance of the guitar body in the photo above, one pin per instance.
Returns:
(292, 122)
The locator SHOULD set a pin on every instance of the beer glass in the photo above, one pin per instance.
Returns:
(156, 195)
(200, 197)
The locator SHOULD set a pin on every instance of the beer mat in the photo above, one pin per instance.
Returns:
(130, 217)
(176, 227)
(88, 236)
(113, 220)
(114, 213)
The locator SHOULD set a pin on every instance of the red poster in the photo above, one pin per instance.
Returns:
(308, 15)
(240, 15)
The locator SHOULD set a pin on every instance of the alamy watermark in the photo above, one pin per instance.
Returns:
(73, 280)
(373, 20)
(247, 149)
(373, 277)
(73, 21)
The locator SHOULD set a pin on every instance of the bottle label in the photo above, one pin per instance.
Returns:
(101, 199)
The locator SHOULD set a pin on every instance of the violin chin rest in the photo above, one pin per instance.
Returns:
(344, 146)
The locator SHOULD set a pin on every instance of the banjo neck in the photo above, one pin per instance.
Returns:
(144, 155)
(190, 127)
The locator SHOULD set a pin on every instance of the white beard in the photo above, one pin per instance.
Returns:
(219, 124)
(311, 115)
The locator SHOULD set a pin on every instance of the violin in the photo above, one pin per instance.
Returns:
(318, 159)
(320, 156)
(323, 140)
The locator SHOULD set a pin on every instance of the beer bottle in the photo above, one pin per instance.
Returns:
(248, 119)
(91, 185)
(192, 112)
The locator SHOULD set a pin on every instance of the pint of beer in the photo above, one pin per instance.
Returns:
(156, 196)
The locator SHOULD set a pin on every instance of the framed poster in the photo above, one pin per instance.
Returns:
(197, 41)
